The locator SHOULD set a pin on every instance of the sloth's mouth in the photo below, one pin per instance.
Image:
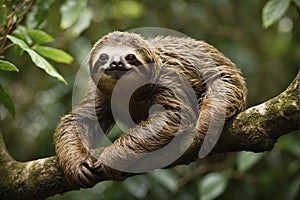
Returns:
(116, 73)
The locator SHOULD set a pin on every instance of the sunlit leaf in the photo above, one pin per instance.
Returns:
(39, 37)
(246, 160)
(83, 22)
(70, 12)
(6, 101)
(7, 66)
(54, 54)
(22, 44)
(297, 2)
(273, 11)
(45, 65)
(21, 33)
(32, 36)
(38, 60)
(39, 13)
(3, 13)
(213, 185)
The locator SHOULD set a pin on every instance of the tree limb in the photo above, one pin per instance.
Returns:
(35, 179)
(256, 129)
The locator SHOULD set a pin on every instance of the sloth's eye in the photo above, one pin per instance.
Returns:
(130, 58)
(103, 58)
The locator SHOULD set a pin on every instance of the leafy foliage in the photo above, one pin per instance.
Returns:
(54, 54)
(28, 39)
(7, 66)
(213, 185)
(39, 14)
(246, 160)
(274, 10)
(38, 60)
(76, 16)
(39, 37)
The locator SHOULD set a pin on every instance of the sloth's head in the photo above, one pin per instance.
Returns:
(117, 53)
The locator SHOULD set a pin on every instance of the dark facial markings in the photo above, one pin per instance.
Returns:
(103, 58)
(116, 68)
(131, 59)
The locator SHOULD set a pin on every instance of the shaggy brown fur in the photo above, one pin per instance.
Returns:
(167, 64)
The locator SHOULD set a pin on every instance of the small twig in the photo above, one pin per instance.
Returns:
(25, 12)
(7, 47)
(10, 25)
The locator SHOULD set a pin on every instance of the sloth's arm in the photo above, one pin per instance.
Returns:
(130, 151)
(74, 138)
(72, 150)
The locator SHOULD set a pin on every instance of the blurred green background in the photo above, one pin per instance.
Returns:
(268, 58)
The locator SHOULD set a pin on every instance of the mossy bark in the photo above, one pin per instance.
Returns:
(258, 128)
(30, 180)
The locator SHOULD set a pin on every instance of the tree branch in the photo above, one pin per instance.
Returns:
(30, 180)
(256, 129)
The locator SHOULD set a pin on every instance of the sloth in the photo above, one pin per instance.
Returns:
(165, 89)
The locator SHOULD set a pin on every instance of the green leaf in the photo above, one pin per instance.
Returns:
(32, 36)
(246, 160)
(38, 60)
(213, 185)
(45, 65)
(297, 2)
(273, 11)
(6, 101)
(7, 66)
(39, 37)
(39, 13)
(83, 22)
(70, 12)
(166, 178)
(22, 44)
(21, 33)
(54, 54)
(3, 14)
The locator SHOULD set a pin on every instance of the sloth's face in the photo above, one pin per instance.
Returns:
(114, 62)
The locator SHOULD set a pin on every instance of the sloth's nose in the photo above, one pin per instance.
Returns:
(117, 64)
